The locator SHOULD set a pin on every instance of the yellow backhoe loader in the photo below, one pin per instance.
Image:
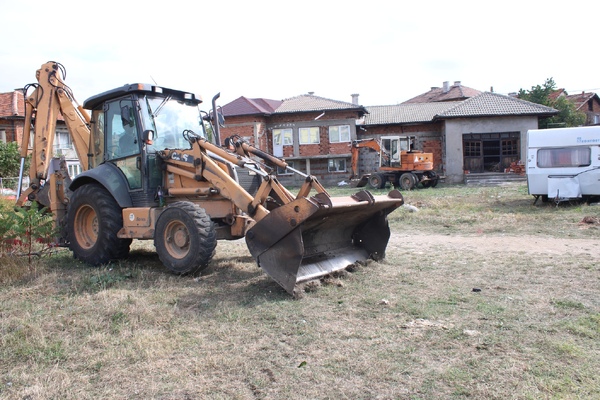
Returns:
(154, 169)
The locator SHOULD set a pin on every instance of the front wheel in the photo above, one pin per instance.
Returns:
(408, 181)
(185, 238)
(93, 220)
(377, 181)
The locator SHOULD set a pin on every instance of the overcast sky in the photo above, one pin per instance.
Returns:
(386, 51)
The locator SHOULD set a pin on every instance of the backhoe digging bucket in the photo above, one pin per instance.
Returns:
(310, 238)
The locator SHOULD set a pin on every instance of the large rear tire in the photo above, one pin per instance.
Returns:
(185, 238)
(408, 181)
(93, 220)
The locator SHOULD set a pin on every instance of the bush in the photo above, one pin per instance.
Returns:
(26, 231)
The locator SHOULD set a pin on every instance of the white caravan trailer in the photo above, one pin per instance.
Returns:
(563, 163)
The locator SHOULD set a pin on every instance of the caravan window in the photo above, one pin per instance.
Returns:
(566, 157)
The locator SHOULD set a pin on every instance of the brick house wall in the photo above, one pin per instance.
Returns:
(11, 116)
(592, 111)
(312, 159)
(251, 128)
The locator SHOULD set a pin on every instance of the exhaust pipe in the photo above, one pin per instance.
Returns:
(216, 119)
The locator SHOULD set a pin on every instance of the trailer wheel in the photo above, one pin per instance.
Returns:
(408, 181)
(377, 181)
(93, 220)
(185, 238)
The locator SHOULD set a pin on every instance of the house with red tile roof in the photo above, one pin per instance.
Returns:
(12, 114)
(589, 104)
(467, 131)
(312, 133)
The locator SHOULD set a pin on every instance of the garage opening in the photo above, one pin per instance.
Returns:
(490, 152)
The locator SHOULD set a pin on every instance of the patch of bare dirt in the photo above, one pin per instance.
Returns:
(493, 244)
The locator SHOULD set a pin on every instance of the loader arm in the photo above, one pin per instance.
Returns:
(207, 168)
(50, 99)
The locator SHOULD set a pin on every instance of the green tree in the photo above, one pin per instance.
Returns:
(10, 159)
(542, 94)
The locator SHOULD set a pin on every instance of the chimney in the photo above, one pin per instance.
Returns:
(446, 87)
(15, 102)
(354, 99)
(456, 83)
(311, 93)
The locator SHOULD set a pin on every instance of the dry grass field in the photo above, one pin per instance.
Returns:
(482, 295)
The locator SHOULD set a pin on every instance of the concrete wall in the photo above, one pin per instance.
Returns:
(455, 128)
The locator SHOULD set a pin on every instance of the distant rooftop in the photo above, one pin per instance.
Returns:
(11, 104)
(404, 113)
(481, 105)
(447, 92)
(302, 103)
(246, 106)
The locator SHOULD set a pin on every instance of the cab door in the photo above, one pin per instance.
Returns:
(123, 144)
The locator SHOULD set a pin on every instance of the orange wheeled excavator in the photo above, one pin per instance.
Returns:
(398, 164)
(154, 169)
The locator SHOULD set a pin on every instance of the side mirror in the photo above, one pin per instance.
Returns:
(148, 136)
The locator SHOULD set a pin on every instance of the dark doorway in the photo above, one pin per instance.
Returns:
(490, 152)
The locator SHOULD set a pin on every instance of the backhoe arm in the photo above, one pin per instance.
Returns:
(50, 98)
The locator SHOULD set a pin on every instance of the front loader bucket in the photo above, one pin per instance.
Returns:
(310, 238)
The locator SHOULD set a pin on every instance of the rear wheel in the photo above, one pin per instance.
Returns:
(185, 238)
(432, 180)
(377, 181)
(408, 181)
(93, 220)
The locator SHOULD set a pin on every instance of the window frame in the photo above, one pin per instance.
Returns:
(287, 135)
(281, 171)
(551, 157)
(339, 134)
(332, 161)
(311, 129)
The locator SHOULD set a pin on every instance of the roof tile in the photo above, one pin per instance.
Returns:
(246, 106)
(494, 104)
(309, 102)
(456, 92)
(11, 104)
(404, 113)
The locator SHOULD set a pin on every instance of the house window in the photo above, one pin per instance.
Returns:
(510, 147)
(283, 137)
(281, 171)
(336, 165)
(62, 141)
(3, 136)
(339, 133)
(568, 157)
(596, 119)
(309, 135)
(74, 169)
(472, 149)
